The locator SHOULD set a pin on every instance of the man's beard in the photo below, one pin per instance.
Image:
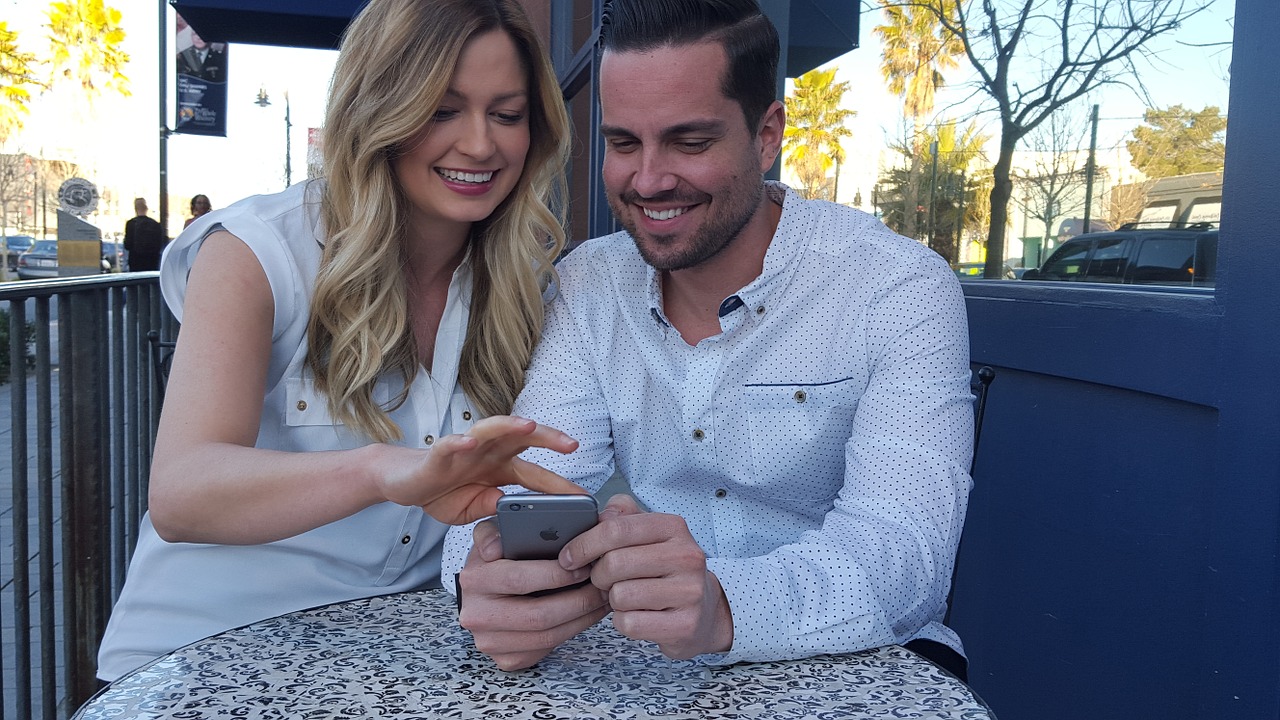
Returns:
(709, 239)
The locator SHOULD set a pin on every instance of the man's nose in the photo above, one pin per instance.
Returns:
(653, 175)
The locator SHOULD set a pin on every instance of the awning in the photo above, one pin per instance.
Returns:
(287, 23)
(818, 30)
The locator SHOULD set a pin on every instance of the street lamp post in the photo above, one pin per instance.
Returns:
(265, 100)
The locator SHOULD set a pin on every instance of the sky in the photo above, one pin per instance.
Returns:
(116, 140)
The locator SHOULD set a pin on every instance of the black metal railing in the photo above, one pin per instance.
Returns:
(84, 402)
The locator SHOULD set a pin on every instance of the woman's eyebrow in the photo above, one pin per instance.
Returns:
(503, 97)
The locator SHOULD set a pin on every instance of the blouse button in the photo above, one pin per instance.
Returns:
(405, 540)
(698, 434)
(721, 492)
(430, 439)
(801, 396)
(302, 405)
(759, 309)
(466, 414)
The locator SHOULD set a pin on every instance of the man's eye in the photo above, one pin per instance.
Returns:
(694, 146)
(623, 145)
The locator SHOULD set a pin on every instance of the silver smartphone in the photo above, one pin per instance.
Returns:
(535, 527)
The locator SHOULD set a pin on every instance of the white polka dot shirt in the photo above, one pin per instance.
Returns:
(817, 447)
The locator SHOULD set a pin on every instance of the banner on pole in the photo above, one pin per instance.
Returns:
(201, 83)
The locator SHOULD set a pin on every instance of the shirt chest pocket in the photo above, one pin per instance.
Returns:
(308, 423)
(798, 434)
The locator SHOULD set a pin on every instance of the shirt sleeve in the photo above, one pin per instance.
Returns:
(561, 391)
(268, 247)
(878, 569)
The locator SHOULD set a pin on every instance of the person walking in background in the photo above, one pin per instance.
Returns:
(199, 206)
(351, 347)
(144, 239)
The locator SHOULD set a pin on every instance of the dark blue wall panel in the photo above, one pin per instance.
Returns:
(1082, 548)
(1120, 559)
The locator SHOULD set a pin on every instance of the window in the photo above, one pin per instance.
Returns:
(1165, 260)
(1068, 262)
(1108, 261)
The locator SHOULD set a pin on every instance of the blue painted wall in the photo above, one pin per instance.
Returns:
(1120, 557)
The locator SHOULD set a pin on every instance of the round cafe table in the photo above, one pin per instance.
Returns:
(404, 656)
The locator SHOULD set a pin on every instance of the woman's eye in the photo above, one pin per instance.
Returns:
(443, 114)
(509, 118)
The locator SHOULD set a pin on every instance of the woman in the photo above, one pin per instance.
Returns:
(341, 340)
(199, 206)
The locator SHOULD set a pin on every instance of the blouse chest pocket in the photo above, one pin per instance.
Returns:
(305, 405)
(798, 434)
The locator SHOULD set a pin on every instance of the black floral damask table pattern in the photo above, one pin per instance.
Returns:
(404, 656)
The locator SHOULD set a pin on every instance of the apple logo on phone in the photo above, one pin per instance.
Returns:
(550, 535)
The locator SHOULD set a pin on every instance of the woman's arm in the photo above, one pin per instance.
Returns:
(210, 484)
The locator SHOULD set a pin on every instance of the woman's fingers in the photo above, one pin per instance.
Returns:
(519, 434)
(540, 479)
(466, 469)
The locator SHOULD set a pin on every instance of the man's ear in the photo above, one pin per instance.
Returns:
(773, 125)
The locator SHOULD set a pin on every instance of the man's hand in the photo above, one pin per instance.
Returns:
(516, 630)
(656, 578)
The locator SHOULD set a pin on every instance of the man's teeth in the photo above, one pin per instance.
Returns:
(456, 176)
(663, 214)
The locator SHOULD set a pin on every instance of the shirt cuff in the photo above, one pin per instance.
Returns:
(756, 635)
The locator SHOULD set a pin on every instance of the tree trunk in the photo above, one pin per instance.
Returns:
(1001, 192)
(911, 198)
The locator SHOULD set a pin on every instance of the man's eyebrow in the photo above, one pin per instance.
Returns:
(693, 127)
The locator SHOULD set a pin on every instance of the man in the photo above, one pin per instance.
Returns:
(143, 239)
(203, 60)
(783, 382)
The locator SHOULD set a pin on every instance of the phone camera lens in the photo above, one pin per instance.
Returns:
(514, 506)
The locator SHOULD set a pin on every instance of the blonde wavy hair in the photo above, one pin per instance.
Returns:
(396, 62)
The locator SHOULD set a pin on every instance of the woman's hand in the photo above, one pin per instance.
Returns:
(459, 481)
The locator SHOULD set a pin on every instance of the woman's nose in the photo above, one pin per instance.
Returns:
(477, 138)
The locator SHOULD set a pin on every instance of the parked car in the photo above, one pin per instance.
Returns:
(15, 245)
(1134, 255)
(974, 270)
(39, 261)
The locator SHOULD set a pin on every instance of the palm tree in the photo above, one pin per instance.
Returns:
(917, 49)
(952, 197)
(815, 126)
